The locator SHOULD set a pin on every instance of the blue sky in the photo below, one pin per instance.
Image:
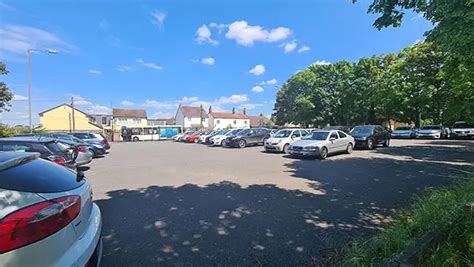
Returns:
(157, 54)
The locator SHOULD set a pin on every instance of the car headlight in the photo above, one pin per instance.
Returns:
(311, 148)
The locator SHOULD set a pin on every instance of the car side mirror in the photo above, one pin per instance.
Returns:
(332, 139)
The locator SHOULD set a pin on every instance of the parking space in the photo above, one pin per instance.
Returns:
(183, 204)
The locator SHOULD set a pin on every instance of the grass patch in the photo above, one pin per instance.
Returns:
(442, 210)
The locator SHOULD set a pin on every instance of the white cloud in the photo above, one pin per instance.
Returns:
(246, 35)
(219, 26)
(158, 17)
(289, 46)
(203, 35)
(127, 103)
(304, 48)
(208, 61)
(257, 89)
(186, 99)
(233, 99)
(162, 115)
(249, 106)
(150, 65)
(271, 82)
(123, 68)
(17, 39)
(19, 98)
(321, 62)
(80, 101)
(99, 109)
(258, 70)
(95, 71)
(195, 60)
(158, 105)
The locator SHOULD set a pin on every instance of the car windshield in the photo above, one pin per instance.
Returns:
(361, 130)
(404, 128)
(316, 136)
(282, 134)
(463, 125)
(431, 127)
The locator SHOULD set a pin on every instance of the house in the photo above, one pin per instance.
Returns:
(223, 120)
(192, 117)
(64, 118)
(161, 122)
(128, 118)
(103, 120)
(260, 121)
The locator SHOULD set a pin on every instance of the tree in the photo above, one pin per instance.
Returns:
(5, 95)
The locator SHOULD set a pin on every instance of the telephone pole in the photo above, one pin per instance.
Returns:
(73, 117)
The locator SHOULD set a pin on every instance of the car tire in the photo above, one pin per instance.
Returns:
(285, 149)
(242, 144)
(135, 139)
(386, 143)
(370, 144)
(349, 148)
(93, 152)
(323, 153)
(264, 141)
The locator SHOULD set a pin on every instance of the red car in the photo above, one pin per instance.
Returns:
(194, 138)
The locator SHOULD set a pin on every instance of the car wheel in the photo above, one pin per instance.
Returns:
(242, 143)
(135, 139)
(323, 153)
(386, 143)
(370, 144)
(264, 141)
(349, 148)
(93, 153)
(285, 149)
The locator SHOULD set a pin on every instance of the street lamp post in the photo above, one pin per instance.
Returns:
(28, 53)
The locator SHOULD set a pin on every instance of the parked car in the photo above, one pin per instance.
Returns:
(202, 137)
(281, 140)
(345, 129)
(254, 136)
(185, 135)
(322, 143)
(47, 148)
(217, 139)
(369, 136)
(433, 131)
(194, 138)
(95, 149)
(47, 217)
(83, 154)
(462, 129)
(209, 139)
(404, 132)
(93, 138)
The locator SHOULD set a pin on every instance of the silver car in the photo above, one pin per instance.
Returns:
(47, 216)
(321, 144)
(404, 132)
(84, 155)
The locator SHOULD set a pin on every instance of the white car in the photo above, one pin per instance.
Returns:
(202, 137)
(463, 129)
(404, 132)
(217, 139)
(281, 140)
(47, 216)
(322, 143)
(432, 131)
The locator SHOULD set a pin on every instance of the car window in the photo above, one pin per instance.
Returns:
(53, 147)
(334, 135)
(296, 133)
(81, 135)
(304, 132)
(17, 148)
(341, 134)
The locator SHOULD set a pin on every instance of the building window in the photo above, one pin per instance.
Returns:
(104, 120)
(235, 122)
(135, 120)
(245, 122)
(189, 119)
(218, 121)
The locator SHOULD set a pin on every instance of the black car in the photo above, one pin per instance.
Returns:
(369, 136)
(48, 149)
(256, 136)
(95, 149)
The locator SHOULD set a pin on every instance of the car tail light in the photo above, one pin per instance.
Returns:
(36, 222)
(82, 149)
(57, 159)
(105, 141)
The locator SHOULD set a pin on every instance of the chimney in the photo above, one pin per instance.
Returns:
(210, 109)
(245, 111)
(233, 110)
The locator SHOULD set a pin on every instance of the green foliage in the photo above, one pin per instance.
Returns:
(439, 210)
(6, 131)
(5, 95)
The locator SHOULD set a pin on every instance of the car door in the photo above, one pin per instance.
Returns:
(343, 141)
(333, 141)
(378, 133)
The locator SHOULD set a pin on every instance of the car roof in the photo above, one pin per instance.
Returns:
(28, 139)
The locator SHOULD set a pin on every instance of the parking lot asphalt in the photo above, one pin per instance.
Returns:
(167, 203)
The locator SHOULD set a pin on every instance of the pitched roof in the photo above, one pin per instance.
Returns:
(129, 113)
(228, 115)
(255, 121)
(41, 113)
(193, 112)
